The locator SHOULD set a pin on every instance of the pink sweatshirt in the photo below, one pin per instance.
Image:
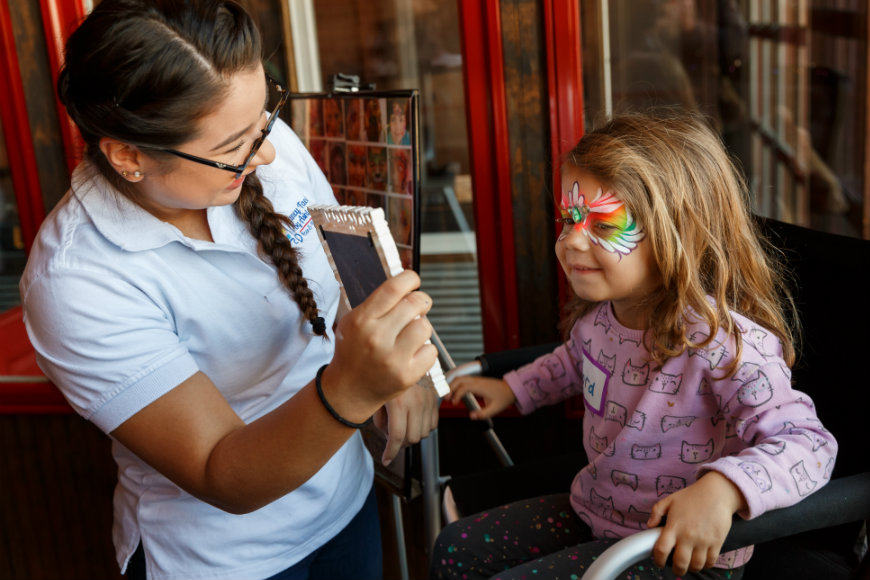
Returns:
(648, 433)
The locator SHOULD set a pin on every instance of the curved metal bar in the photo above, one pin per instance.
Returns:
(623, 554)
(842, 500)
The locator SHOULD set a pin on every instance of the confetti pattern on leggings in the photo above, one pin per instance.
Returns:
(535, 539)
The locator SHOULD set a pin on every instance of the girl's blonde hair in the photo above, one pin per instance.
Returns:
(675, 176)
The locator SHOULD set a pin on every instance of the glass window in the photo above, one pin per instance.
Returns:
(784, 82)
(414, 44)
(12, 256)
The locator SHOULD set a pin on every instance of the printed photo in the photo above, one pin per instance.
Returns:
(315, 119)
(400, 170)
(337, 167)
(400, 220)
(373, 120)
(333, 118)
(356, 165)
(353, 119)
(354, 197)
(317, 147)
(376, 168)
(376, 200)
(398, 122)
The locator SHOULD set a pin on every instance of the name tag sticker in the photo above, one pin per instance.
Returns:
(595, 378)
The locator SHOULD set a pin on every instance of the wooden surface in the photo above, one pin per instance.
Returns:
(56, 483)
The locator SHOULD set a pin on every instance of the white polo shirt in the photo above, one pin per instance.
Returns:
(121, 308)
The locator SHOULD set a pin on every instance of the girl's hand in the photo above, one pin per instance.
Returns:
(698, 520)
(495, 393)
(380, 348)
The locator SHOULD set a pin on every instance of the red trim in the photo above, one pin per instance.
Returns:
(32, 399)
(489, 153)
(16, 131)
(59, 19)
(565, 79)
(23, 387)
(562, 31)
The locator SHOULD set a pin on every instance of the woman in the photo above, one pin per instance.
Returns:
(179, 297)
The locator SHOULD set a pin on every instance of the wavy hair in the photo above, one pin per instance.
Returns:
(145, 72)
(673, 173)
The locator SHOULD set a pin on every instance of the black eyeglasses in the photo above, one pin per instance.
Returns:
(239, 169)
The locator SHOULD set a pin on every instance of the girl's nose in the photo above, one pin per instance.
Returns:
(575, 238)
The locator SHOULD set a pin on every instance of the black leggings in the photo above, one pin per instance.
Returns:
(536, 538)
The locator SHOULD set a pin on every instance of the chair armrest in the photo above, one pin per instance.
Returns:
(497, 364)
(472, 368)
(842, 500)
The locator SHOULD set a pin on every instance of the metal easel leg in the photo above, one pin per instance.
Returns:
(430, 465)
(401, 547)
(431, 488)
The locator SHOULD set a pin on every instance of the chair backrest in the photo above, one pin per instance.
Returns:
(832, 285)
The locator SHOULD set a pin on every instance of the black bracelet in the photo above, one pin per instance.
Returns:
(329, 408)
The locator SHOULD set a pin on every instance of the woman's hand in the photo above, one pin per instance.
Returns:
(380, 349)
(495, 393)
(407, 419)
(698, 520)
(195, 438)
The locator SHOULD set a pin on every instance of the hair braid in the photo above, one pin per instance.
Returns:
(269, 227)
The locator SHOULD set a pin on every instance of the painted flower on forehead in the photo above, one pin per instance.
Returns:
(605, 220)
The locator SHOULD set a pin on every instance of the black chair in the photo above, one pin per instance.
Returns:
(816, 538)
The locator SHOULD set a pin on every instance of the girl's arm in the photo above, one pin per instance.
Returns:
(777, 453)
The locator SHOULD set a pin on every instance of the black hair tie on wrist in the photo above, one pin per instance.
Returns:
(329, 408)
(319, 326)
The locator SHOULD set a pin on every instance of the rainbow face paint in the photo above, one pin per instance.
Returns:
(605, 220)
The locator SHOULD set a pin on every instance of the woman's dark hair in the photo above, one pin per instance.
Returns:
(145, 72)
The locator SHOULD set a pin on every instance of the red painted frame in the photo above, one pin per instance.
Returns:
(486, 113)
(59, 19)
(16, 131)
(489, 152)
(23, 387)
(563, 32)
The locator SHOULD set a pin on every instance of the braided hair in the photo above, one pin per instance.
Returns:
(145, 72)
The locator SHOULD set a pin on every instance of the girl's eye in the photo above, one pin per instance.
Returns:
(605, 228)
(566, 221)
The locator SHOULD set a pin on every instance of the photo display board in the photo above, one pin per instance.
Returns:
(368, 145)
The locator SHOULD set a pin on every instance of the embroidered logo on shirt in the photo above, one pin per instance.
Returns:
(303, 225)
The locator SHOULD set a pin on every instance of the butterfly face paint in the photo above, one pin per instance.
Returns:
(605, 220)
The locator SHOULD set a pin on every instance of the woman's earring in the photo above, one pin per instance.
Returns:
(125, 174)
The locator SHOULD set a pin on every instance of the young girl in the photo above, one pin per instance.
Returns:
(680, 346)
